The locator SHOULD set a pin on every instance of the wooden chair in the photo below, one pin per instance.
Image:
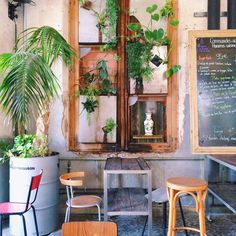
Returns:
(89, 228)
(71, 180)
(195, 187)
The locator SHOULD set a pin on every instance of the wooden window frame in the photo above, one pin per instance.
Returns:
(123, 138)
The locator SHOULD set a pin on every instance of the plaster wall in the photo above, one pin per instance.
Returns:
(7, 39)
(182, 162)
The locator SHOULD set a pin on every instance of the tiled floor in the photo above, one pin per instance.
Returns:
(223, 224)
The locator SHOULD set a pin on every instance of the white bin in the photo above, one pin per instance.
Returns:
(46, 205)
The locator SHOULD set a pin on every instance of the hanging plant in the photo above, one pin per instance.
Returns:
(93, 84)
(110, 31)
(150, 36)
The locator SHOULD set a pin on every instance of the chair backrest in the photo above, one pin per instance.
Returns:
(71, 180)
(34, 186)
(89, 228)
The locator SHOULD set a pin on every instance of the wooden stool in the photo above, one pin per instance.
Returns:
(89, 228)
(197, 188)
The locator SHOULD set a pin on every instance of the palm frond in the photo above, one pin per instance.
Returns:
(49, 43)
(28, 81)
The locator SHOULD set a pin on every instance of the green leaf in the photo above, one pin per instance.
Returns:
(134, 27)
(174, 22)
(151, 9)
(176, 68)
(148, 35)
(169, 72)
(158, 34)
(155, 17)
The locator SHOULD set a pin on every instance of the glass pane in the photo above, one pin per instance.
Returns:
(138, 116)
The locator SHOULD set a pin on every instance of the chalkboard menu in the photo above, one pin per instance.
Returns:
(213, 91)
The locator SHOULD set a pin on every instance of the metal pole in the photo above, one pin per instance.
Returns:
(231, 24)
(213, 14)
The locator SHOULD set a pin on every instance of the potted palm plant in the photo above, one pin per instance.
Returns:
(29, 86)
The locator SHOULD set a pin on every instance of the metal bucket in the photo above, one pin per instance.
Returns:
(46, 205)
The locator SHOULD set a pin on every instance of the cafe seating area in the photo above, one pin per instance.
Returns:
(118, 118)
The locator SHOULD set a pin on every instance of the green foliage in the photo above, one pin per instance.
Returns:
(109, 126)
(28, 80)
(27, 146)
(95, 83)
(112, 11)
(90, 104)
(5, 146)
(174, 69)
(143, 39)
(139, 56)
(107, 22)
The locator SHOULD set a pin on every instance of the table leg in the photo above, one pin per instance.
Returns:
(105, 195)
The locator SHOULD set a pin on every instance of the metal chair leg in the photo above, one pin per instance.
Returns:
(99, 212)
(0, 225)
(146, 219)
(164, 223)
(35, 221)
(67, 215)
(24, 225)
(182, 215)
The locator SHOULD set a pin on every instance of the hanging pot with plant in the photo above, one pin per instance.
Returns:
(142, 40)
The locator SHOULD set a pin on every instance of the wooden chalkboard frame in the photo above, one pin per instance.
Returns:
(193, 36)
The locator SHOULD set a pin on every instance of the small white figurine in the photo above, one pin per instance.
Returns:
(148, 124)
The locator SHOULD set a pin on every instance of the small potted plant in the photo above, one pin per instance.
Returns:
(108, 128)
(29, 86)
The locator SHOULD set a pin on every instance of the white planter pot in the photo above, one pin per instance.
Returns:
(46, 205)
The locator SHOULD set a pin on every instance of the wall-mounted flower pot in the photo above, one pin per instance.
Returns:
(139, 86)
(87, 5)
(156, 60)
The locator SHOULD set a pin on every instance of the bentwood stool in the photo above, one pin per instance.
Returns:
(71, 180)
(159, 196)
(195, 187)
(89, 228)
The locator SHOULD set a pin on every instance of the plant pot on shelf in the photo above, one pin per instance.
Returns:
(156, 60)
(46, 205)
(104, 135)
(139, 86)
(87, 5)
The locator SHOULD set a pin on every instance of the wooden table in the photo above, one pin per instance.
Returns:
(220, 187)
(127, 201)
